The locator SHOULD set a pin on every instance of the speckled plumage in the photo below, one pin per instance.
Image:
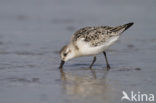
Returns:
(97, 35)
(90, 41)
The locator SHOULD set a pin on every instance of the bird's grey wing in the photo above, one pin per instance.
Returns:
(81, 33)
(93, 35)
(96, 36)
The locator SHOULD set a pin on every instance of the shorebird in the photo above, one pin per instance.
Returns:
(90, 41)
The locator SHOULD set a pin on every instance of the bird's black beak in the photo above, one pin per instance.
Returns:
(61, 64)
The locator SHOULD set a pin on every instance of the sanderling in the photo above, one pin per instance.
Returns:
(90, 41)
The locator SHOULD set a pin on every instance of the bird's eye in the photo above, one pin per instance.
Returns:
(65, 54)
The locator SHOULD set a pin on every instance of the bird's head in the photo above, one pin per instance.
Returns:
(66, 53)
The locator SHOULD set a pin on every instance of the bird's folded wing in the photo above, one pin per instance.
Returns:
(95, 35)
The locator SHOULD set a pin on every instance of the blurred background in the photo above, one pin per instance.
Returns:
(33, 31)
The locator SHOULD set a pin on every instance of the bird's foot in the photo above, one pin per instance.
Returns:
(108, 67)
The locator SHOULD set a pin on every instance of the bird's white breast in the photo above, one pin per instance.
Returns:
(86, 49)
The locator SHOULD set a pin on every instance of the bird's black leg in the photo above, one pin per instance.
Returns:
(94, 59)
(108, 66)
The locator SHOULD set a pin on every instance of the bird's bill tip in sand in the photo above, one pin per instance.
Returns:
(61, 64)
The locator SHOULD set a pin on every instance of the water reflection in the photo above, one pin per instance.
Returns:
(87, 86)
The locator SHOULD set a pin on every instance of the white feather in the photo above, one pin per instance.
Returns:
(86, 49)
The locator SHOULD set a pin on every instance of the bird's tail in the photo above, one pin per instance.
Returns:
(128, 25)
(122, 28)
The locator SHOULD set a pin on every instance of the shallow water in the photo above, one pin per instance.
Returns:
(32, 33)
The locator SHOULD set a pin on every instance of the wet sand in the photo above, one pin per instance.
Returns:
(32, 33)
